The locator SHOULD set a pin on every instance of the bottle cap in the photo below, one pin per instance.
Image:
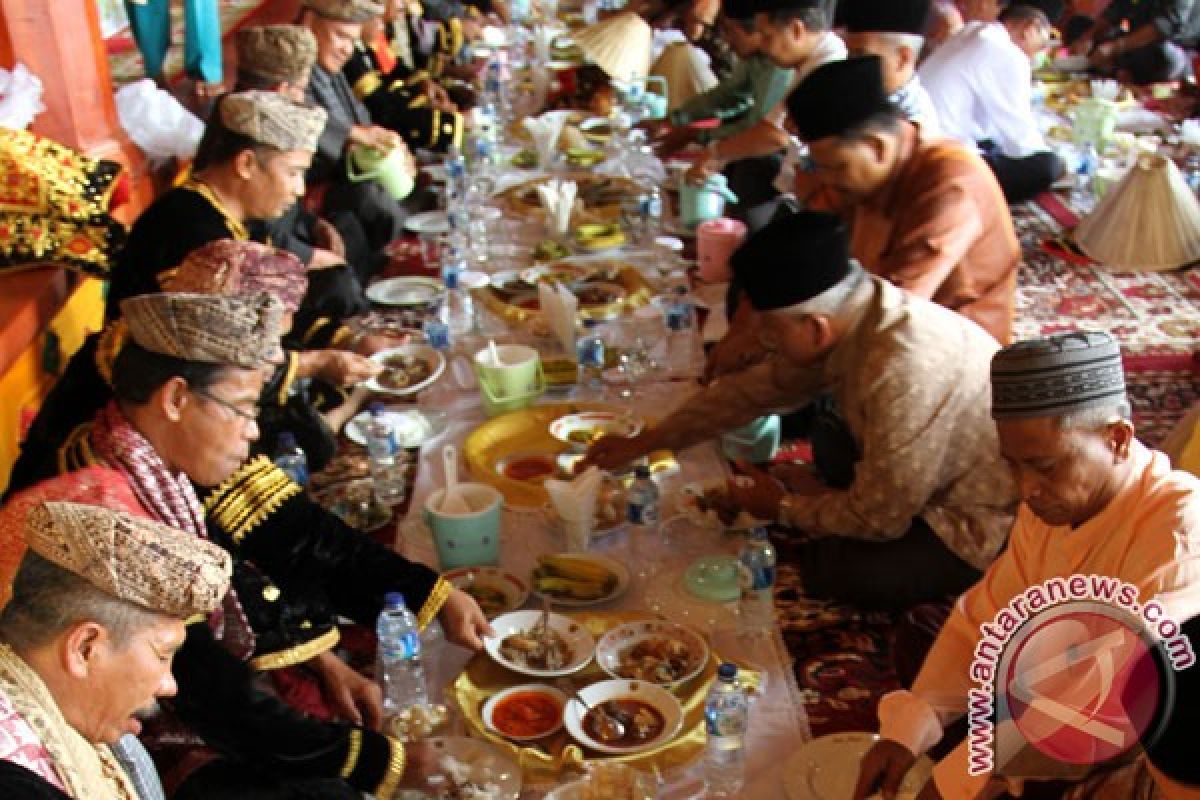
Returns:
(641, 471)
(396, 600)
(727, 671)
(376, 407)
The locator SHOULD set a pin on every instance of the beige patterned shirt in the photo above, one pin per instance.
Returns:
(912, 382)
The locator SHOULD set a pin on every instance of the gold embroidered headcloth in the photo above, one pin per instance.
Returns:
(277, 53)
(239, 331)
(133, 558)
(271, 119)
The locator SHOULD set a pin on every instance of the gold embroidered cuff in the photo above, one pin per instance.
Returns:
(353, 751)
(298, 654)
(249, 496)
(433, 604)
(289, 376)
(395, 771)
(343, 337)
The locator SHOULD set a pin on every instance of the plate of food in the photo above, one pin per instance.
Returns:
(581, 430)
(623, 716)
(496, 591)
(709, 505)
(410, 427)
(652, 650)
(826, 768)
(608, 781)
(579, 579)
(539, 644)
(353, 502)
(525, 713)
(597, 129)
(405, 292)
(467, 769)
(406, 369)
(428, 222)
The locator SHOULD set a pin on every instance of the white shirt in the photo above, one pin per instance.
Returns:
(916, 105)
(981, 85)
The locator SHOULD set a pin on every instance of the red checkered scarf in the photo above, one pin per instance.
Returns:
(169, 498)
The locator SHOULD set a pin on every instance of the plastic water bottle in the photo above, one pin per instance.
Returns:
(398, 666)
(756, 606)
(458, 309)
(456, 176)
(1083, 195)
(290, 458)
(726, 718)
(680, 336)
(387, 474)
(590, 351)
(641, 501)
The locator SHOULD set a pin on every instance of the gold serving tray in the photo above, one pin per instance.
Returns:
(523, 197)
(519, 432)
(637, 293)
(549, 759)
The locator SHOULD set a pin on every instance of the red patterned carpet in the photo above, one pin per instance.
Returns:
(842, 657)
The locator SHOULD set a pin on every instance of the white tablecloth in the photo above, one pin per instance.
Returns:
(778, 724)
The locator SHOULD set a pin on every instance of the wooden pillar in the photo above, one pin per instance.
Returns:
(59, 41)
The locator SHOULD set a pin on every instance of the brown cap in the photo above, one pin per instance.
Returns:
(277, 53)
(271, 119)
(135, 559)
(346, 10)
(239, 331)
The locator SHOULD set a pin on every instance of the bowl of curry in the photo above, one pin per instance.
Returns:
(526, 712)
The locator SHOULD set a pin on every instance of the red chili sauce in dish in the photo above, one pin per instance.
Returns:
(526, 714)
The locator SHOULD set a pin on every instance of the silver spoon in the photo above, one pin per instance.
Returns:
(609, 724)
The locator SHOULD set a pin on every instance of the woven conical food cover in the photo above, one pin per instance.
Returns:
(687, 73)
(1149, 222)
(619, 45)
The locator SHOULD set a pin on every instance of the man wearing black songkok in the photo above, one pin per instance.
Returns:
(910, 499)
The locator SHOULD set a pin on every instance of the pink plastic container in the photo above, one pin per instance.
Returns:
(716, 239)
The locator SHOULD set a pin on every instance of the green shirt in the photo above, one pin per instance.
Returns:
(755, 79)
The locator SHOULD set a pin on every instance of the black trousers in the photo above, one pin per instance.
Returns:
(896, 574)
(1024, 178)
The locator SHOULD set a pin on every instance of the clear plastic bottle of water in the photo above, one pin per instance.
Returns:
(1082, 195)
(680, 334)
(398, 665)
(387, 473)
(641, 501)
(756, 607)
(590, 352)
(290, 458)
(458, 309)
(652, 213)
(726, 718)
(456, 176)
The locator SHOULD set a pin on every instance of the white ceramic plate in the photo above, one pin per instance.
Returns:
(622, 638)
(663, 701)
(432, 358)
(476, 761)
(428, 222)
(615, 567)
(489, 708)
(411, 428)
(589, 422)
(471, 279)
(405, 292)
(514, 590)
(580, 642)
(827, 769)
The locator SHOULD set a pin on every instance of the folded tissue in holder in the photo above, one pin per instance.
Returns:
(558, 198)
(544, 131)
(560, 308)
(575, 502)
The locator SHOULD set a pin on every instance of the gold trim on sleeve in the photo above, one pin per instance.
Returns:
(368, 84)
(433, 604)
(289, 376)
(298, 654)
(249, 496)
(395, 771)
(353, 751)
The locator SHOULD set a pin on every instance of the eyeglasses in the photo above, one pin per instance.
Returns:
(247, 416)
